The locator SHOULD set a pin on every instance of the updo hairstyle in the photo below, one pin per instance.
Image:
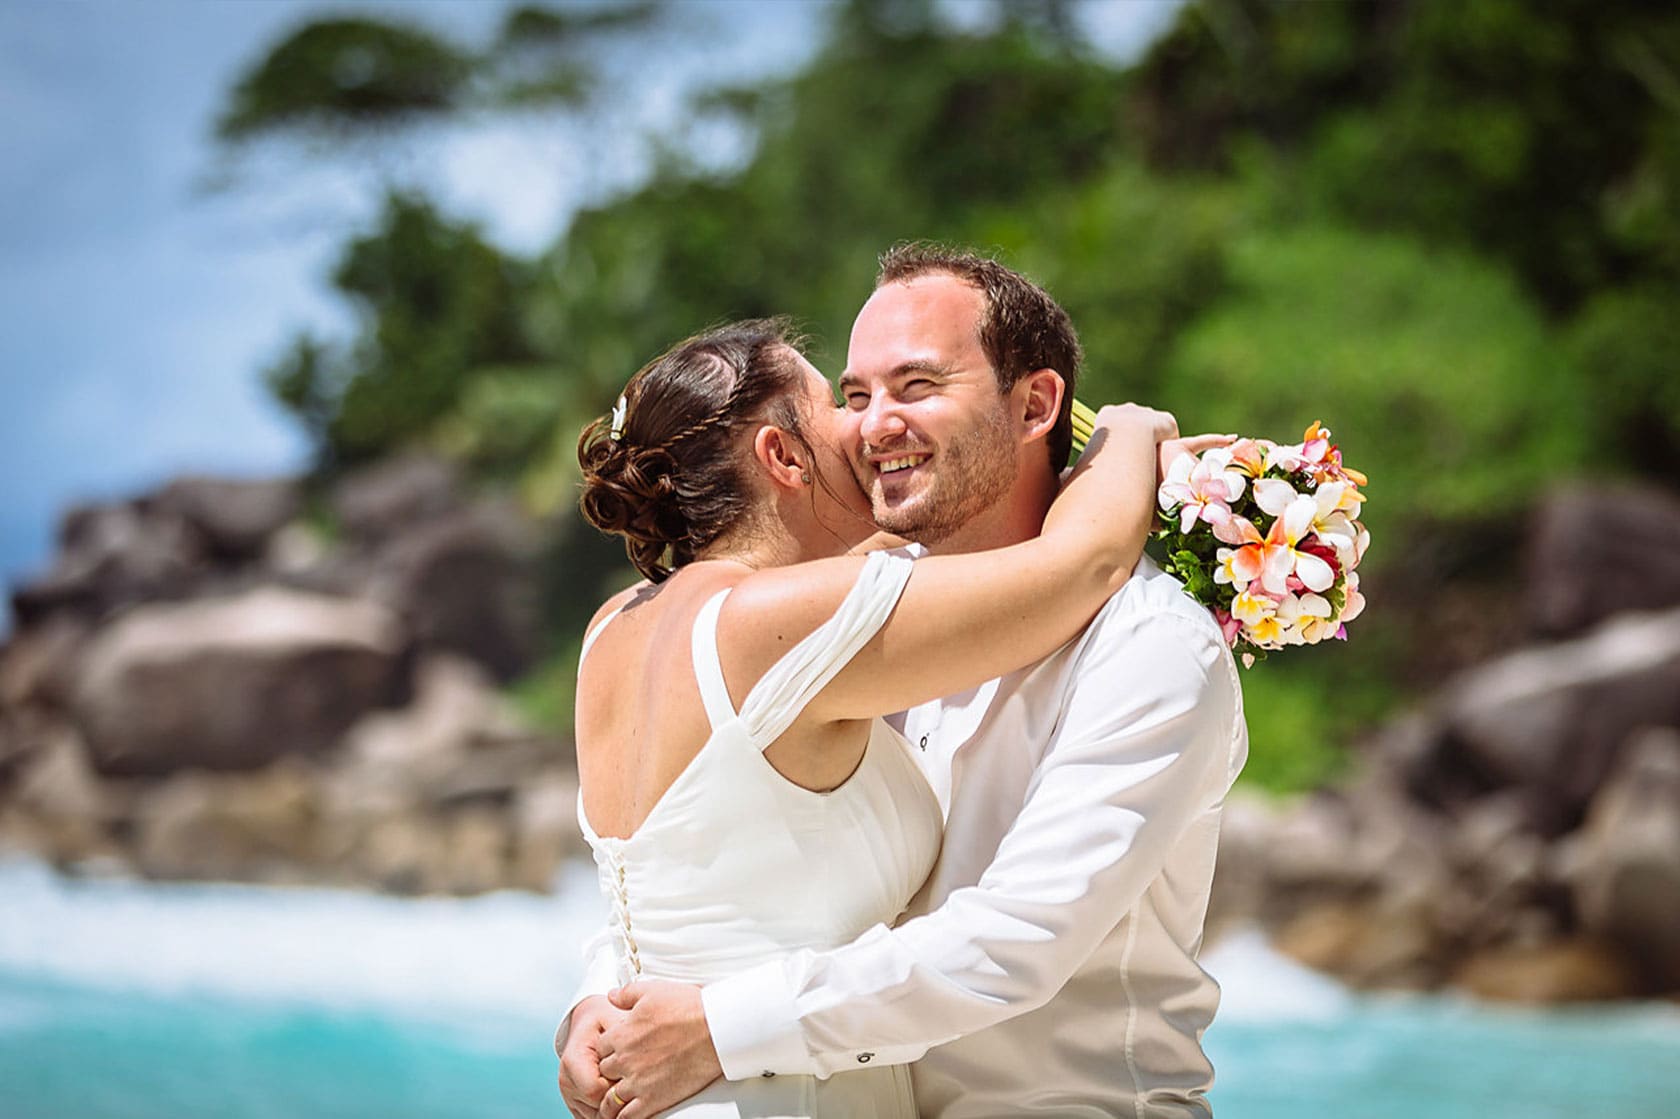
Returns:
(674, 480)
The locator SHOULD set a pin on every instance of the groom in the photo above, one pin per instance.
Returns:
(1048, 966)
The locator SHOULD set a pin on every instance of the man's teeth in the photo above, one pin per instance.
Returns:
(895, 464)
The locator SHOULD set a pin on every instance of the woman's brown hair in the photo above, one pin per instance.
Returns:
(671, 480)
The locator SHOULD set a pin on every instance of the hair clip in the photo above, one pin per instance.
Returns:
(616, 432)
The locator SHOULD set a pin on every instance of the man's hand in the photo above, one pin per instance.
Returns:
(581, 1084)
(660, 1053)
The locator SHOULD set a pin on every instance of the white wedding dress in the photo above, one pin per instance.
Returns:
(737, 865)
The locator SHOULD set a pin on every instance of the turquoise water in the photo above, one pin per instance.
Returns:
(121, 1000)
(73, 1052)
(1435, 1059)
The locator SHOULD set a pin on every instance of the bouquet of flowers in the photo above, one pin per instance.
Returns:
(1265, 535)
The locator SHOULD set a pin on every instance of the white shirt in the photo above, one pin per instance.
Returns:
(1049, 962)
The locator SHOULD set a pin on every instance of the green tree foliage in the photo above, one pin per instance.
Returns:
(1626, 343)
(341, 74)
(443, 354)
(339, 78)
(438, 305)
(1433, 369)
(1134, 256)
(1512, 127)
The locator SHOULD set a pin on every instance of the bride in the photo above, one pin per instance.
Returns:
(740, 793)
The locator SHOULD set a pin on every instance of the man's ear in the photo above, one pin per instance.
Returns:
(780, 457)
(1038, 402)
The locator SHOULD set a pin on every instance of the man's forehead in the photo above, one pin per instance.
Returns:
(936, 294)
(925, 324)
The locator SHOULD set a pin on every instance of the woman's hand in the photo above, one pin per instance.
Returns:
(1131, 448)
(1136, 422)
(1163, 426)
(1172, 447)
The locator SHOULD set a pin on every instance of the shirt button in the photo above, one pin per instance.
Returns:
(864, 1058)
(923, 742)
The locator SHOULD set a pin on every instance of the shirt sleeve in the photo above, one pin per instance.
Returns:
(1145, 744)
(600, 975)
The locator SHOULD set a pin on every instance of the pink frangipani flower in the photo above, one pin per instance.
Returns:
(1202, 488)
(1297, 514)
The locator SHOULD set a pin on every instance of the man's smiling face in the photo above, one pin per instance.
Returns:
(928, 430)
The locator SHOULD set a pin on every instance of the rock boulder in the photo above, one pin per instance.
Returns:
(234, 518)
(1598, 551)
(382, 501)
(1565, 971)
(113, 555)
(259, 826)
(464, 585)
(1549, 719)
(233, 683)
(1625, 862)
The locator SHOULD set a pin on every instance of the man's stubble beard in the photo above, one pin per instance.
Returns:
(975, 471)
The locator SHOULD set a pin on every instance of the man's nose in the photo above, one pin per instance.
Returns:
(881, 423)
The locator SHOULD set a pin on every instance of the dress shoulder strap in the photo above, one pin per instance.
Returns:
(708, 670)
(792, 682)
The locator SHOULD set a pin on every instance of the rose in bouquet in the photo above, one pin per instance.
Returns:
(1267, 536)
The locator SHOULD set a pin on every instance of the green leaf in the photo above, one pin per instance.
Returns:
(347, 73)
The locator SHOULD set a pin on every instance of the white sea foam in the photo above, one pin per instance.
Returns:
(505, 954)
(1257, 984)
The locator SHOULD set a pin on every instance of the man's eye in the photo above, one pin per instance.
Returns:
(857, 400)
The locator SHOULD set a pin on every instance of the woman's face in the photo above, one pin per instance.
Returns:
(840, 504)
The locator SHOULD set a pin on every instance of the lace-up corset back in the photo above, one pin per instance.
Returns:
(736, 864)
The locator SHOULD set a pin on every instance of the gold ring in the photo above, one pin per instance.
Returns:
(612, 1094)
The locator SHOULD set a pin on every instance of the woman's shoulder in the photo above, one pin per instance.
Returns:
(784, 604)
(791, 600)
(679, 596)
(611, 608)
(618, 602)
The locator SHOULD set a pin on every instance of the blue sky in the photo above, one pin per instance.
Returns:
(131, 315)
(136, 308)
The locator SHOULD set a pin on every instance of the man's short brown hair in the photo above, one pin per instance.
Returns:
(1022, 329)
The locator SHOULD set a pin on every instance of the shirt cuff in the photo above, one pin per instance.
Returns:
(755, 1024)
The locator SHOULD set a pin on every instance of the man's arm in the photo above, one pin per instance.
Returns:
(1143, 746)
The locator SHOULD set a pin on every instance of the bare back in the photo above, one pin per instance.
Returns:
(640, 720)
